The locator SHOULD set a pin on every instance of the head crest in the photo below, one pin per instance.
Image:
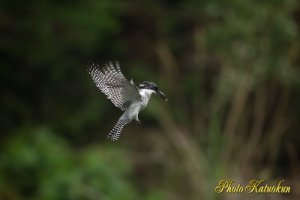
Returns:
(148, 85)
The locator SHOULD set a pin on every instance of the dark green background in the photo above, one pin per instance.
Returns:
(229, 68)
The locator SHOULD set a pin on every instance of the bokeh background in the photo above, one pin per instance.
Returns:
(229, 68)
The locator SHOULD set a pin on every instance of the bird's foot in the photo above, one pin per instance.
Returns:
(138, 122)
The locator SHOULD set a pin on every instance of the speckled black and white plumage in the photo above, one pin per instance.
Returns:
(113, 84)
(123, 93)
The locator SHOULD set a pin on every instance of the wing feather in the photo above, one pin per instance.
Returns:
(114, 85)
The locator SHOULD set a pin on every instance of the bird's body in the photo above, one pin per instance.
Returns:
(123, 93)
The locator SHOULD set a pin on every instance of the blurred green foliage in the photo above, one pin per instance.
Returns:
(39, 165)
(230, 69)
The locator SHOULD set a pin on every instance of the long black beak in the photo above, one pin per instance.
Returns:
(162, 95)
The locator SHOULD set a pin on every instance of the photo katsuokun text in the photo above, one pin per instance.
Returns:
(253, 186)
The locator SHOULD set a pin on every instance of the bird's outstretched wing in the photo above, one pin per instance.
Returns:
(114, 85)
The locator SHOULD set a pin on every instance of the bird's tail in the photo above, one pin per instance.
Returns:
(116, 131)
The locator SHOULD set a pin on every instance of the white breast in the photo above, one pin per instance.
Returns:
(146, 94)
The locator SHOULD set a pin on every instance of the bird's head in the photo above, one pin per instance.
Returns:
(152, 87)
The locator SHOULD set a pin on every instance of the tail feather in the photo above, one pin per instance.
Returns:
(116, 131)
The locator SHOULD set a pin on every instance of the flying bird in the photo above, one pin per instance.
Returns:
(123, 94)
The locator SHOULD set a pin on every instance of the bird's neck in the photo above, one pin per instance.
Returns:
(146, 93)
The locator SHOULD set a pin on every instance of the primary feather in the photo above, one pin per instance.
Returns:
(114, 85)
